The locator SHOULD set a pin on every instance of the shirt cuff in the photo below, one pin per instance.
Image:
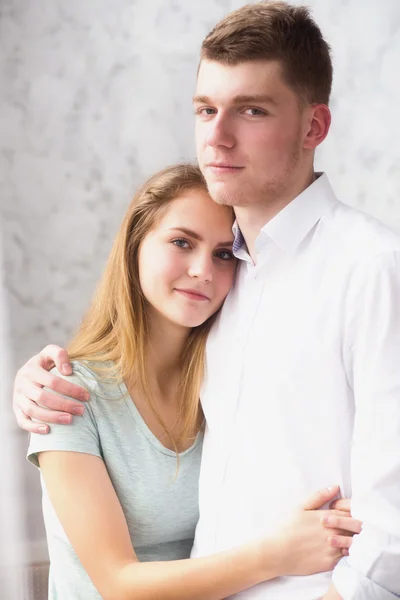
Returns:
(353, 585)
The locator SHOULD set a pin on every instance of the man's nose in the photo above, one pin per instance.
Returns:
(220, 132)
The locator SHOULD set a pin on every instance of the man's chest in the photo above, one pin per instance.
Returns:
(276, 390)
(284, 326)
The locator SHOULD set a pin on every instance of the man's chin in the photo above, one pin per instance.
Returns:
(220, 193)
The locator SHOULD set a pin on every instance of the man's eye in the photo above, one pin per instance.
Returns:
(255, 112)
(205, 111)
(180, 243)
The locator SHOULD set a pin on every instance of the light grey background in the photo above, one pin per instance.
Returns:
(96, 95)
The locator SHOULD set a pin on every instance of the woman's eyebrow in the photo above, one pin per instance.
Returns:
(197, 236)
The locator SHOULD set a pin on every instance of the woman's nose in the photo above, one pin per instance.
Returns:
(201, 268)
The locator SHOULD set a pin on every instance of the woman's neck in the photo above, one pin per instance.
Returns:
(163, 354)
(163, 361)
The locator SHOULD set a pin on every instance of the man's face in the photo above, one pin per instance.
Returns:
(250, 131)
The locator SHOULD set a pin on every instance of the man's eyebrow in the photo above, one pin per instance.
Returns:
(201, 100)
(196, 236)
(254, 99)
(241, 99)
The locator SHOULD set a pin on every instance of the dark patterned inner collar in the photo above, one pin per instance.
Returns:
(238, 242)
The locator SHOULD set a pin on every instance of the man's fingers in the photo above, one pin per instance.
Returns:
(53, 354)
(27, 424)
(47, 399)
(344, 523)
(40, 377)
(320, 498)
(33, 411)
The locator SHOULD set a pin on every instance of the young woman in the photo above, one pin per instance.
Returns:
(120, 483)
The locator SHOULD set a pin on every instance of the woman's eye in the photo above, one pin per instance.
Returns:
(181, 243)
(224, 255)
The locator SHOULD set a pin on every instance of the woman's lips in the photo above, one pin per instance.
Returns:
(192, 295)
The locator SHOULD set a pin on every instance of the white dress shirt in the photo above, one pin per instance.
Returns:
(302, 391)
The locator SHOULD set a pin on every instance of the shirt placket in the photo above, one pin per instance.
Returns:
(253, 283)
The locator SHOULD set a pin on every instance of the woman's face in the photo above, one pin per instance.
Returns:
(186, 265)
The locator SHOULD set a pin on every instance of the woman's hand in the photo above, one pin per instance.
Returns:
(341, 504)
(316, 539)
(32, 401)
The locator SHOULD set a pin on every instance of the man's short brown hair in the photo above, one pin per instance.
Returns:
(276, 31)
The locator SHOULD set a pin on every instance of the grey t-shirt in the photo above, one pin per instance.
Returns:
(161, 510)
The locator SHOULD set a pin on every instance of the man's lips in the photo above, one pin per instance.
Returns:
(192, 294)
(223, 167)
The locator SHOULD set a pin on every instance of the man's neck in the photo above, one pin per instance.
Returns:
(251, 219)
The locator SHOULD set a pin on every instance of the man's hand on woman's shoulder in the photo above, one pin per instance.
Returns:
(33, 405)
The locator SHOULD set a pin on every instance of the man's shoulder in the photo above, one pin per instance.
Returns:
(359, 233)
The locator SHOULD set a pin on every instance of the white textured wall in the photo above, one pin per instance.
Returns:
(12, 547)
(95, 95)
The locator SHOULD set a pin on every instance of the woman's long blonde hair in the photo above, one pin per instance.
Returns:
(116, 326)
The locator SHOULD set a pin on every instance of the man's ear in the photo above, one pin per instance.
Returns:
(319, 121)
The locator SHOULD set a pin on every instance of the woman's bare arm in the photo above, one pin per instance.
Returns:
(89, 510)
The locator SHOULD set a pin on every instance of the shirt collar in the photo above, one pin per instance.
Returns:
(292, 224)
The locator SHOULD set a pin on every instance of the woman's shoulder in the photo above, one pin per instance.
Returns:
(100, 379)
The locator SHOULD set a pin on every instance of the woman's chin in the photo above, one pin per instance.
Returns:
(191, 321)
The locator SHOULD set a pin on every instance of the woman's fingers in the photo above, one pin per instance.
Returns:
(337, 513)
(332, 521)
(318, 499)
(340, 541)
(341, 504)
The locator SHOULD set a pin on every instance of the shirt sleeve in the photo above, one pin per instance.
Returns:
(81, 436)
(372, 569)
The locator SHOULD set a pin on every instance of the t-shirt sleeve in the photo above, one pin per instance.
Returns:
(82, 435)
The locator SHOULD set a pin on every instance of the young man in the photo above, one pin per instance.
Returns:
(302, 386)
